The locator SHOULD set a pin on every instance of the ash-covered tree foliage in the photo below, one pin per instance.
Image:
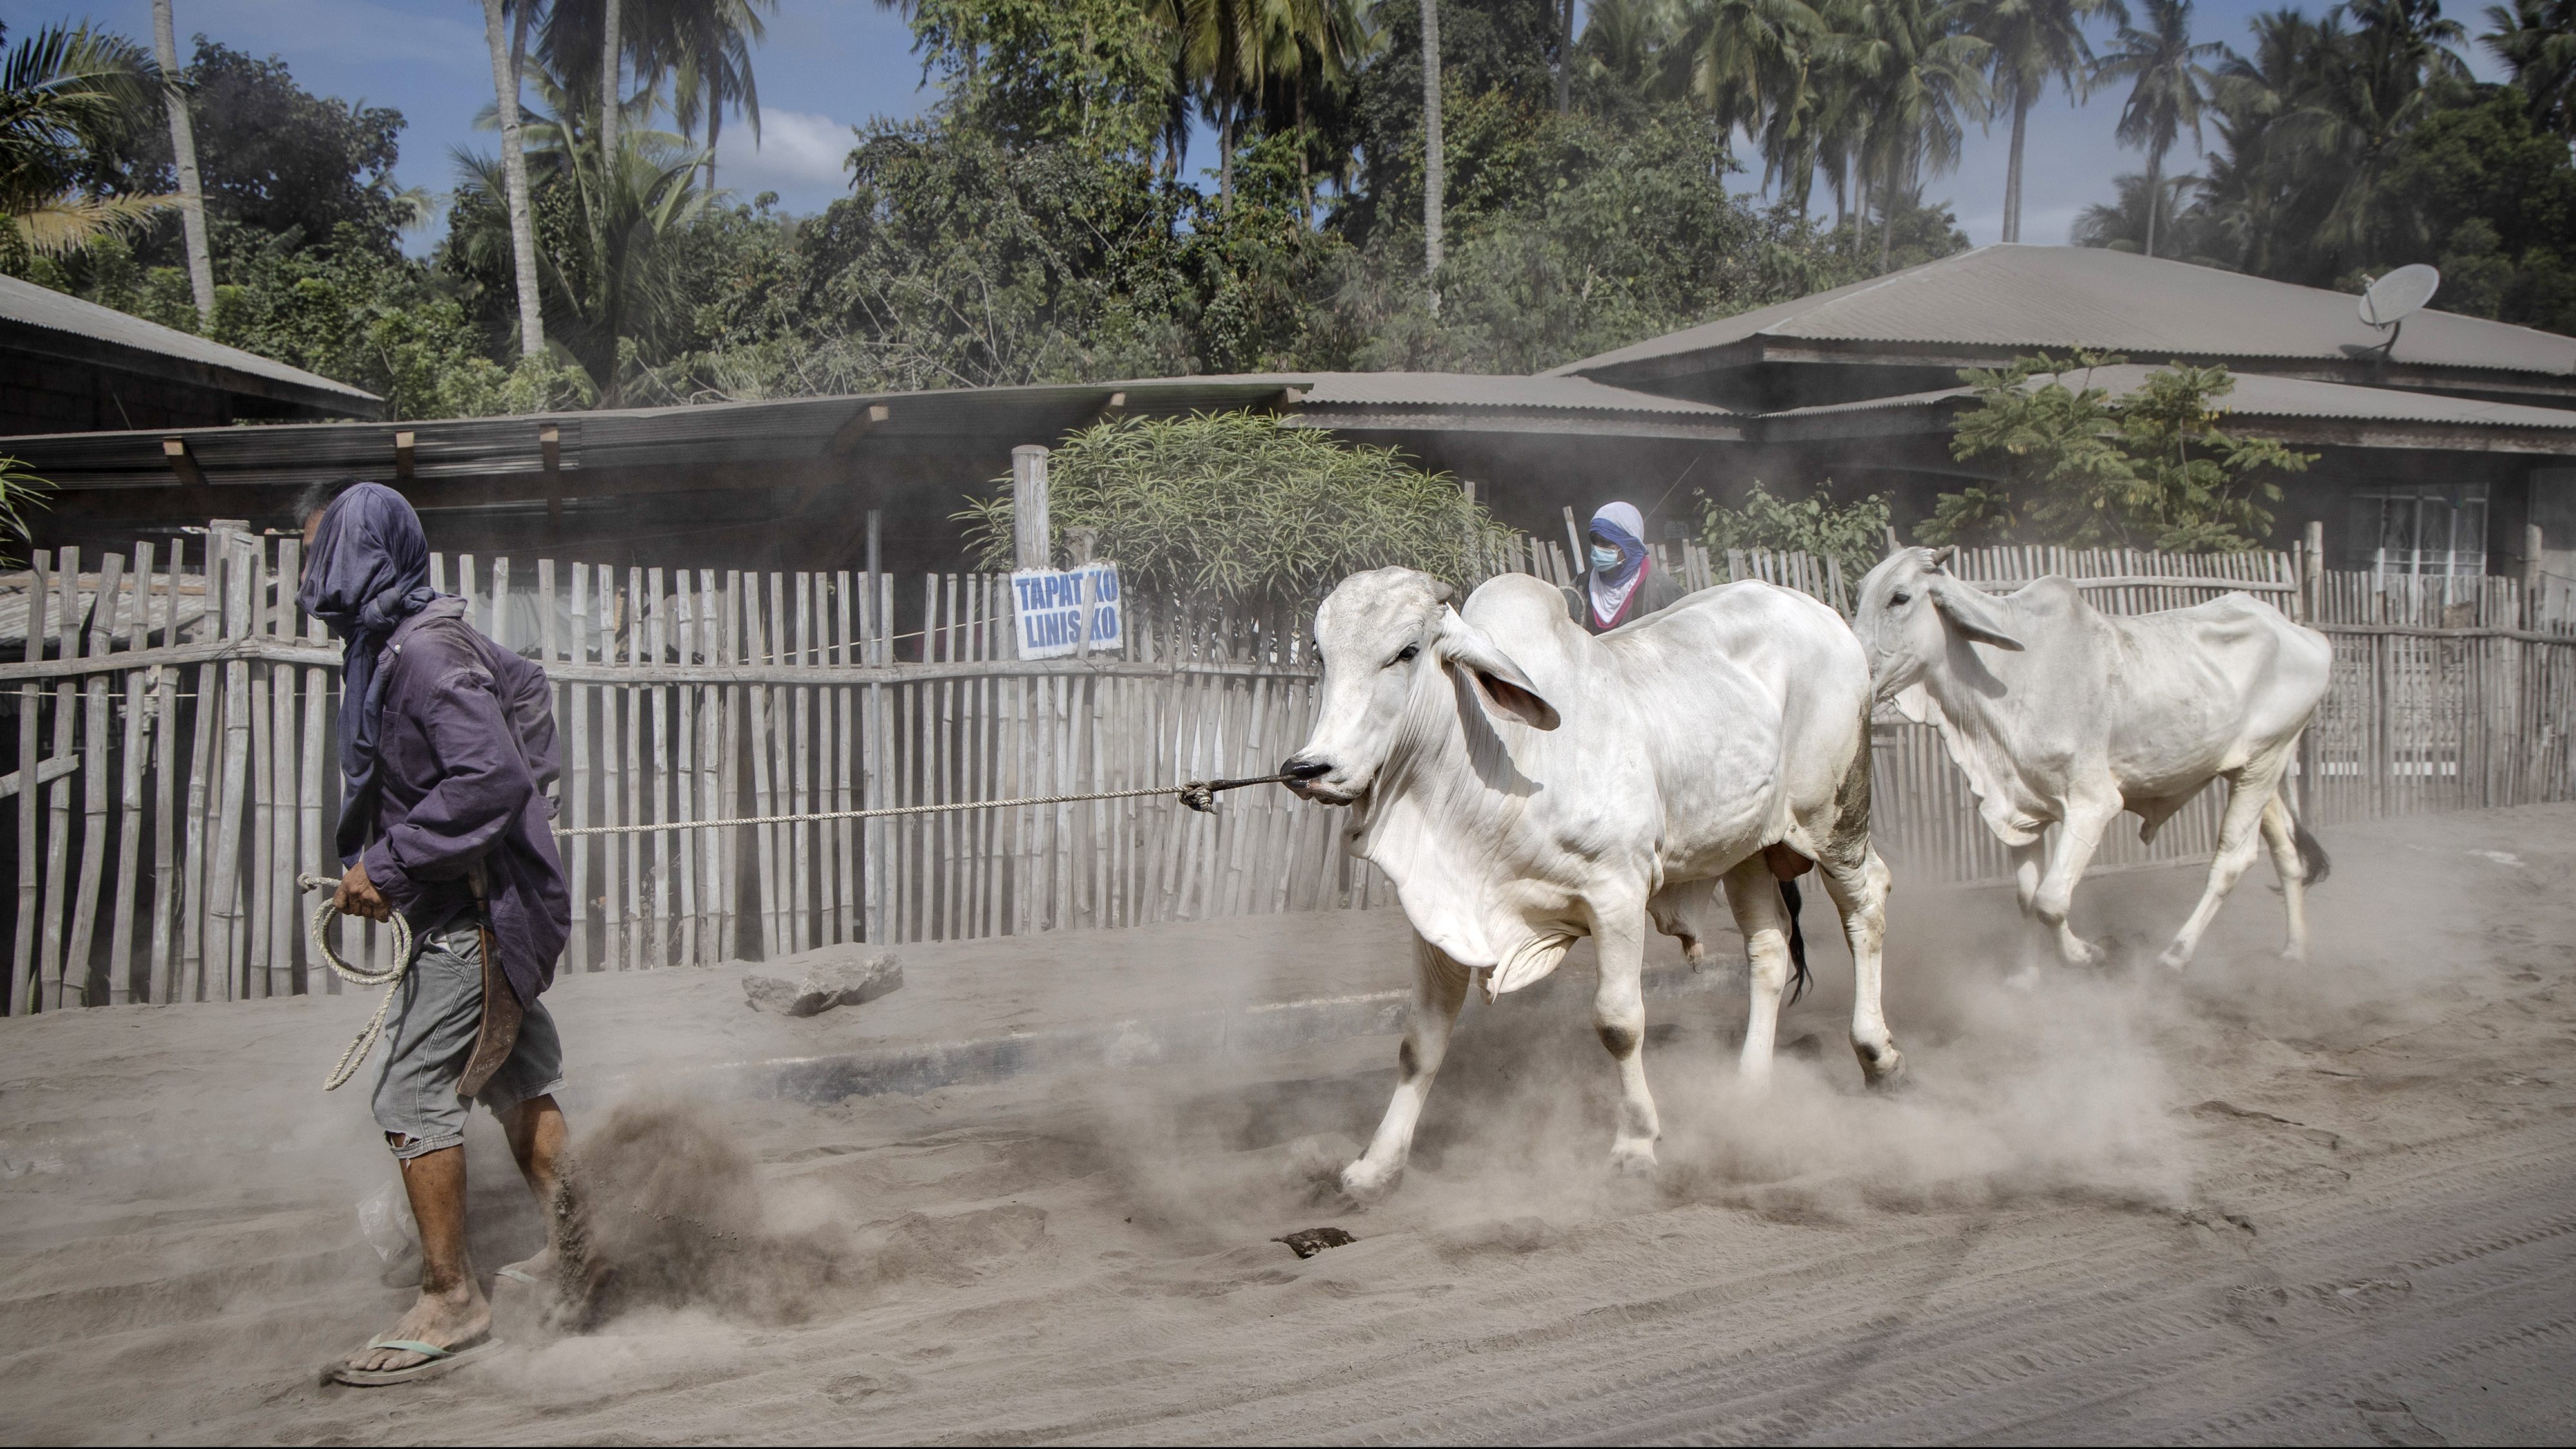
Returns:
(1240, 509)
(1818, 524)
(1033, 226)
(2351, 139)
(2078, 466)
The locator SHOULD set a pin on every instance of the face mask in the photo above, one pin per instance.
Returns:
(1604, 557)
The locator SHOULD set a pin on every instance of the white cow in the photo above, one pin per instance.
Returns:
(2057, 712)
(1523, 783)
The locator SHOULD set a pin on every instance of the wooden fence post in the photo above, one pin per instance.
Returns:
(1032, 544)
(23, 975)
(2532, 577)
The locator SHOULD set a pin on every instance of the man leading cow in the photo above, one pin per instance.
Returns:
(446, 749)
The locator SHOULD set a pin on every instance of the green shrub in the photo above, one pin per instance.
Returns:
(1235, 508)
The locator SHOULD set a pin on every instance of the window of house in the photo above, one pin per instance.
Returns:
(2423, 531)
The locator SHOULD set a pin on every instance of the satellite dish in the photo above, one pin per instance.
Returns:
(2389, 302)
(2399, 295)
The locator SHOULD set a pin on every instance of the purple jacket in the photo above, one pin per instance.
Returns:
(465, 748)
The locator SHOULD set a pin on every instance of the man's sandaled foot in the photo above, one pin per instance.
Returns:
(431, 1362)
(446, 1323)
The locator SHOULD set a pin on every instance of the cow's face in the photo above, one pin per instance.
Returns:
(1911, 608)
(1381, 635)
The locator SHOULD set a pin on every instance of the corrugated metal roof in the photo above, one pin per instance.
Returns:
(2031, 297)
(795, 428)
(34, 306)
(1471, 390)
(2259, 396)
(292, 454)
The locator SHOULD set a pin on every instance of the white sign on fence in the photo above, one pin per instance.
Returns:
(1047, 608)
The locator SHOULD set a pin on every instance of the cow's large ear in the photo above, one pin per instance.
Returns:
(1972, 612)
(1511, 691)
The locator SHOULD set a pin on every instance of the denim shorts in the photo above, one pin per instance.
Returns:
(430, 1037)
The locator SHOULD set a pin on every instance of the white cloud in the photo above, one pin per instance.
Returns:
(799, 156)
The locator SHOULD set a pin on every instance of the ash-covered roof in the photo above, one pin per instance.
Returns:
(2032, 297)
(24, 304)
(1471, 390)
(2255, 395)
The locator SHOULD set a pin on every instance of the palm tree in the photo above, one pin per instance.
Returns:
(2395, 67)
(1564, 56)
(2536, 40)
(705, 47)
(1748, 66)
(508, 40)
(1433, 178)
(2121, 224)
(1312, 48)
(1222, 56)
(611, 272)
(183, 152)
(1628, 43)
(66, 92)
(2166, 71)
(1238, 53)
(1920, 75)
(612, 91)
(2035, 42)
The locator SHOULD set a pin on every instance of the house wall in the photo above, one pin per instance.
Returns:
(51, 395)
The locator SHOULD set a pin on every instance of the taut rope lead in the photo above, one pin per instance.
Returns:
(1199, 795)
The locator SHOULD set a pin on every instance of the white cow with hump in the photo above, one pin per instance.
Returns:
(1523, 783)
(2060, 713)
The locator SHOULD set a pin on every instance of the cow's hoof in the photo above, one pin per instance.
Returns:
(1886, 1073)
(1631, 1159)
(2022, 978)
(2173, 960)
(1363, 1186)
(2294, 953)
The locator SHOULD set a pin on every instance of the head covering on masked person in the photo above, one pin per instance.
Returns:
(368, 572)
(1614, 583)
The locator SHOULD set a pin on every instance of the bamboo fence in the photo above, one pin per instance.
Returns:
(178, 712)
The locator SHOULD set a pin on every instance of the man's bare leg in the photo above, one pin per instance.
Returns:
(537, 1139)
(451, 1310)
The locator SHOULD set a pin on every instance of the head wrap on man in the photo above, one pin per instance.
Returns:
(1611, 588)
(369, 572)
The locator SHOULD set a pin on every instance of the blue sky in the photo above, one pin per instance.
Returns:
(831, 63)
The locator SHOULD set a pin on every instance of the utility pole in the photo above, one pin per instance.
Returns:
(183, 147)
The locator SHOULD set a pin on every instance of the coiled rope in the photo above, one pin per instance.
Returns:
(1199, 795)
(390, 978)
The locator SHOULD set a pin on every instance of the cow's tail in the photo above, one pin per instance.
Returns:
(1798, 941)
(2312, 856)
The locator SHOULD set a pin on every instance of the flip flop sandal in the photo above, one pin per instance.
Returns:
(440, 1360)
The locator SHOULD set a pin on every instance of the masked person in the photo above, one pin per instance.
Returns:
(447, 745)
(1620, 582)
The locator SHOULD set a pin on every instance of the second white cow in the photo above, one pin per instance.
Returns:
(1524, 784)
(2060, 713)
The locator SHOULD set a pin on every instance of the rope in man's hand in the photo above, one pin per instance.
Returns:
(390, 978)
(1199, 795)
